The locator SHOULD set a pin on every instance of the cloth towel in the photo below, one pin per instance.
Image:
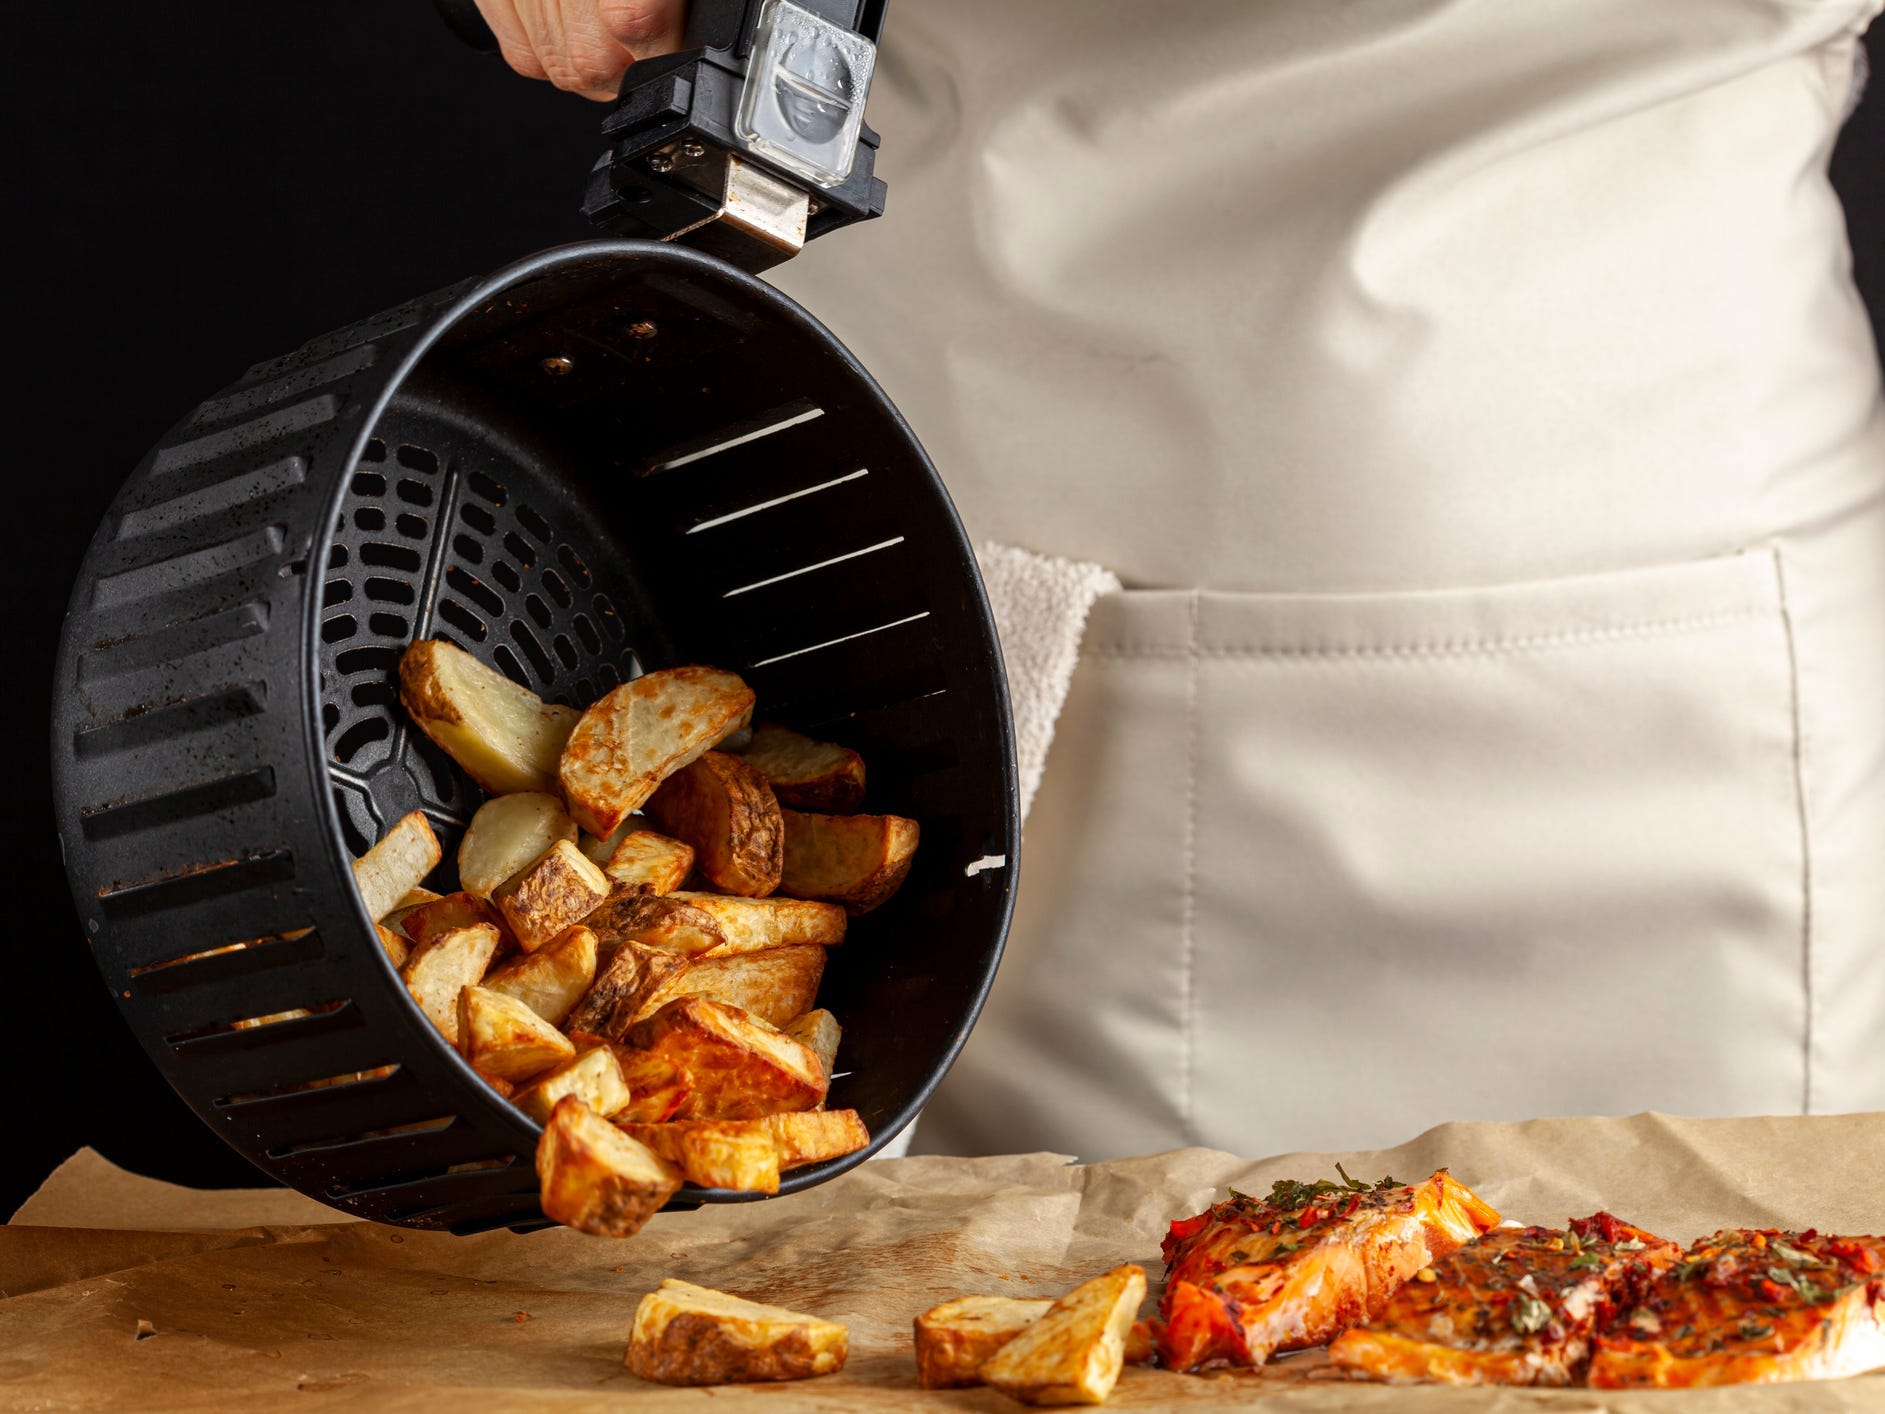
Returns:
(1040, 603)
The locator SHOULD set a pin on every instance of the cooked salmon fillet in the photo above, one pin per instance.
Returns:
(1517, 1306)
(1751, 1306)
(1252, 1276)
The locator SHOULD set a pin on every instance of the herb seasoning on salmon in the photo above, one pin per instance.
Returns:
(1253, 1276)
(1515, 1307)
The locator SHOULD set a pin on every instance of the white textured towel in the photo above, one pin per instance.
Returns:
(1040, 604)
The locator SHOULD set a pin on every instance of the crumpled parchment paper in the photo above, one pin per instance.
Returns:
(118, 1291)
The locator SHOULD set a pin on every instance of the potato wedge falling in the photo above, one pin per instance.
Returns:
(640, 734)
(505, 736)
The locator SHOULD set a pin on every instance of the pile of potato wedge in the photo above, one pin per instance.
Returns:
(633, 953)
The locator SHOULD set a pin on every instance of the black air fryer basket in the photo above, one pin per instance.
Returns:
(608, 458)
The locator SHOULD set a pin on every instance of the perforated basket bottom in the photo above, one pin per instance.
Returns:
(447, 534)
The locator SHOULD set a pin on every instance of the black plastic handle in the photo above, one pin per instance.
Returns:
(463, 19)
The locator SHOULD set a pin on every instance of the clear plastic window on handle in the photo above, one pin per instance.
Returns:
(805, 89)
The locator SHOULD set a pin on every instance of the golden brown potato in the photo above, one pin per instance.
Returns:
(438, 971)
(415, 898)
(505, 736)
(396, 944)
(501, 1036)
(691, 1335)
(633, 974)
(856, 860)
(442, 915)
(954, 1340)
(814, 1136)
(775, 985)
(1074, 1353)
(551, 980)
(657, 1087)
(741, 1068)
(634, 738)
(717, 1153)
(595, 1178)
(594, 1077)
(506, 835)
(806, 774)
(820, 1031)
(1139, 1345)
(697, 923)
(389, 871)
(556, 892)
(649, 862)
(727, 812)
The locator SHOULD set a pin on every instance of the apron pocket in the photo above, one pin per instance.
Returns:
(1320, 871)
(1489, 854)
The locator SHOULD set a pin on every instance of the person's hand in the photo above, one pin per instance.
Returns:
(583, 46)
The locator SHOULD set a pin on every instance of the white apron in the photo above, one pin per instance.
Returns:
(1473, 399)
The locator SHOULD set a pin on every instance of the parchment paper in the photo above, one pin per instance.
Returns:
(360, 1316)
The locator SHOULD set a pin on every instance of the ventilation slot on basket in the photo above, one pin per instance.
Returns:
(187, 570)
(208, 966)
(207, 881)
(767, 505)
(218, 498)
(290, 385)
(372, 1075)
(725, 438)
(834, 642)
(114, 657)
(255, 1023)
(434, 1125)
(289, 420)
(122, 817)
(807, 569)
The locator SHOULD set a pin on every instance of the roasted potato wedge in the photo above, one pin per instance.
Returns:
(556, 892)
(727, 812)
(1073, 1354)
(741, 1068)
(806, 774)
(649, 862)
(657, 1087)
(597, 850)
(698, 923)
(855, 860)
(442, 915)
(633, 974)
(813, 1136)
(691, 1335)
(717, 1153)
(820, 1031)
(506, 737)
(595, 1178)
(634, 738)
(398, 946)
(438, 971)
(393, 868)
(594, 1077)
(954, 1340)
(775, 985)
(508, 834)
(415, 898)
(553, 979)
(502, 1036)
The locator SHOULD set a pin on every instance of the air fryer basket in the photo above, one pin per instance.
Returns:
(607, 458)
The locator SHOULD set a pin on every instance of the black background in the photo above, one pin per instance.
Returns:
(198, 184)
